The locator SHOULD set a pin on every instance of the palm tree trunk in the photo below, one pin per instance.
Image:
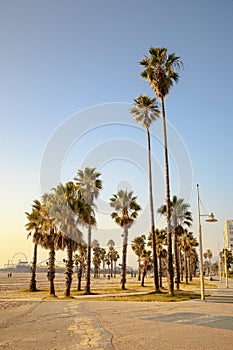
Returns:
(181, 266)
(69, 268)
(111, 267)
(168, 205)
(176, 260)
(160, 272)
(186, 268)
(80, 272)
(156, 279)
(139, 269)
(190, 268)
(88, 269)
(124, 256)
(51, 272)
(32, 286)
(143, 278)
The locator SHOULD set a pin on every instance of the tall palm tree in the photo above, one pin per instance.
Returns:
(126, 211)
(70, 210)
(34, 224)
(138, 246)
(179, 215)
(161, 71)
(52, 237)
(89, 184)
(146, 110)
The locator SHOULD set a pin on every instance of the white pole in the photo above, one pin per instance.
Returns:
(200, 247)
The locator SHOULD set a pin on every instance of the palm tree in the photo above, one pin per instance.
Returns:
(188, 243)
(52, 237)
(89, 184)
(69, 210)
(102, 258)
(209, 256)
(161, 238)
(80, 262)
(33, 225)
(126, 211)
(179, 215)
(96, 257)
(108, 262)
(161, 71)
(115, 257)
(147, 263)
(138, 246)
(146, 110)
(111, 252)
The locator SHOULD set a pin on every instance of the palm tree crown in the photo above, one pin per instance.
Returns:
(161, 70)
(126, 208)
(180, 213)
(145, 110)
(88, 182)
(126, 211)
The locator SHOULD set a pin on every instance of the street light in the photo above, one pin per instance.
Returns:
(210, 218)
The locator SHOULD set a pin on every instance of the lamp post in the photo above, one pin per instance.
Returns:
(210, 218)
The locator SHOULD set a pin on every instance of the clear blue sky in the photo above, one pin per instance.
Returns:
(61, 57)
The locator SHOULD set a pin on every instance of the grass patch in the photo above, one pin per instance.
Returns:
(151, 297)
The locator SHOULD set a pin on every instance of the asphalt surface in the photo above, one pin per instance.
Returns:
(80, 324)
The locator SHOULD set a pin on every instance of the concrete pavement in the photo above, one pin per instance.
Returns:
(80, 324)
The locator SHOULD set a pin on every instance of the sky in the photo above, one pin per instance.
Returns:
(69, 74)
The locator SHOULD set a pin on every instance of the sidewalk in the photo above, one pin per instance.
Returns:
(120, 325)
(189, 325)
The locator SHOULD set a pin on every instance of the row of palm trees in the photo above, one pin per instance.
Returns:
(55, 220)
(186, 246)
(161, 71)
(183, 241)
(100, 255)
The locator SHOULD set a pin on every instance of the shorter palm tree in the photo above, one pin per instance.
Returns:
(147, 264)
(179, 215)
(102, 258)
(34, 224)
(209, 256)
(80, 259)
(96, 257)
(138, 246)
(126, 211)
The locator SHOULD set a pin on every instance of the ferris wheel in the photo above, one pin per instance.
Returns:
(18, 257)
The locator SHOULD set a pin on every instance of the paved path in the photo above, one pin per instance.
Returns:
(80, 324)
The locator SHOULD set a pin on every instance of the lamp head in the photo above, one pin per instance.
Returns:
(211, 218)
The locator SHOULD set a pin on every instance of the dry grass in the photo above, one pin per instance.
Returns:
(16, 287)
